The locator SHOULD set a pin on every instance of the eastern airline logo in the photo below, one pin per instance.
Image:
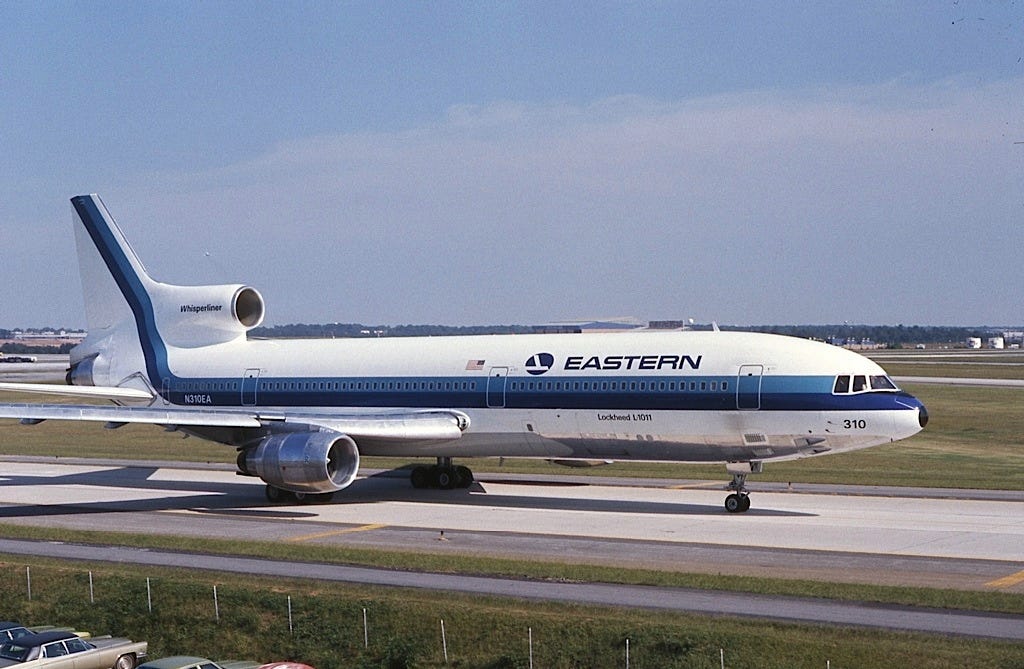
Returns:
(540, 363)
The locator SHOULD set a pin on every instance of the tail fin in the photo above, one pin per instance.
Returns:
(108, 266)
(133, 319)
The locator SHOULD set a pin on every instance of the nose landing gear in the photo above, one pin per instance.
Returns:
(739, 500)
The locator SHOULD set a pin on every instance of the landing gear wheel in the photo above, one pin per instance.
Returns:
(465, 475)
(446, 478)
(276, 495)
(736, 503)
(420, 477)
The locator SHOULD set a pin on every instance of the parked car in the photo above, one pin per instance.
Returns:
(66, 650)
(190, 662)
(10, 631)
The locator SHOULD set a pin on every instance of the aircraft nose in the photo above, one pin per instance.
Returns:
(909, 401)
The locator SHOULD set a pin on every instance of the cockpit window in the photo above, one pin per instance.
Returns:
(882, 383)
(847, 384)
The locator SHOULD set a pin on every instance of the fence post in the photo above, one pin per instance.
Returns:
(92, 594)
(366, 632)
(627, 652)
(529, 631)
(149, 596)
(216, 605)
(290, 629)
(28, 581)
(444, 642)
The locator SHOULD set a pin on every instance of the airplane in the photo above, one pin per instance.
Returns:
(301, 412)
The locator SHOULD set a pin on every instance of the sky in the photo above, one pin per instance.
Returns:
(469, 163)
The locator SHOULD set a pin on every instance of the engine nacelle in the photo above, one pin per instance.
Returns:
(189, 316)
(306, 462)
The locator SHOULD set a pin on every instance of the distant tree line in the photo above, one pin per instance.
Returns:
(894, 336)
(333, 330)
(890, 335)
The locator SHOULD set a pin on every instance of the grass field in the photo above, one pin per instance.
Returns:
(403, 626)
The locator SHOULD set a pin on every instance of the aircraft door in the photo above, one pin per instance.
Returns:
(748, 387)
(249, 381)
(496, 381)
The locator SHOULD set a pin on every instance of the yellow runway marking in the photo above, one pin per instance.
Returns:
(684, 486)
(1007, 581)
(332, 533)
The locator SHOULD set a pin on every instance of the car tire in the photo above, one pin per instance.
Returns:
(125, 662)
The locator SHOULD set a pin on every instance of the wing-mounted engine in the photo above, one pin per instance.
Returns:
(190, 316)
(303, 462)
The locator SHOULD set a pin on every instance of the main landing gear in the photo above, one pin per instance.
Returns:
(739, 501)
(443, 475)
(277, 495)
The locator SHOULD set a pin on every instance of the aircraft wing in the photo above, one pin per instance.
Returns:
(381, 427)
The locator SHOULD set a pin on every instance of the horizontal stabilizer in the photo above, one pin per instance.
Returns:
(116, 414)
(99, 392)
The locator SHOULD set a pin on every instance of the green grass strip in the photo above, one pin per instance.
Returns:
(970, 600)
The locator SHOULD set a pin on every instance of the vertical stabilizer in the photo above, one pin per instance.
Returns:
(102, 247)
(136, 323)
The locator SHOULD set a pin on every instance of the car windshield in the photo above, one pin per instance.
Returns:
(13, 651)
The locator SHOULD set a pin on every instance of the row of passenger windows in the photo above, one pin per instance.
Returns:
(861, 383)
(520, 386)
(642, 386)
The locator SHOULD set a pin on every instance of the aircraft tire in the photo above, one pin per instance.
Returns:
(734, 504)
(446, 478)
(465, 476)
(420, 477)
(745, 499)
(276, 495)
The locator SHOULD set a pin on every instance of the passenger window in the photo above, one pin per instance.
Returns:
(54, 650)
(860, 384)
(842, 385)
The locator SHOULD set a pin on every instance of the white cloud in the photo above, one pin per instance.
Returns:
(871, 204)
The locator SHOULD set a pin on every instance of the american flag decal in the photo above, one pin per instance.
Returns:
(474, 365)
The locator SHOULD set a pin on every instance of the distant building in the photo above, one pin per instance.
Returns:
(996, 343)
(576, 327)
(974, 342)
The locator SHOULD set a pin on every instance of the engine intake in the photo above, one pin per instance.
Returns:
(189, 316)
(306, 462)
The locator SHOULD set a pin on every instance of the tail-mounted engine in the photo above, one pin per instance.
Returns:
(189, 316)
(304, 462)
